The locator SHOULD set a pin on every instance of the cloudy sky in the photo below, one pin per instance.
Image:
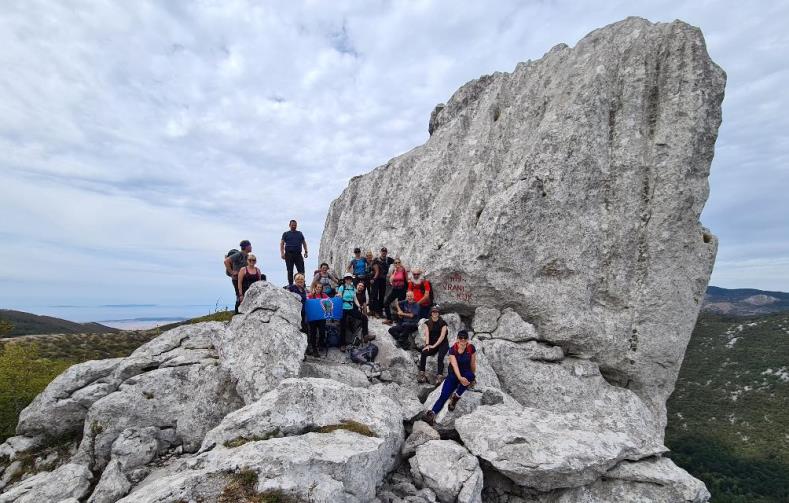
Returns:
(139, 141)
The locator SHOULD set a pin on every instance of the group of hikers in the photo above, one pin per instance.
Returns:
(379, 287)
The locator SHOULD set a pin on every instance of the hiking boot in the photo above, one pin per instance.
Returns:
(387, 322)
(421, 377)
(315, 352)
(368, 338)
(429, 417)
(439, 379)
(453, 400)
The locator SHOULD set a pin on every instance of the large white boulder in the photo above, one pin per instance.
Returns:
(68, 481)
(569, 190)
(548, 450)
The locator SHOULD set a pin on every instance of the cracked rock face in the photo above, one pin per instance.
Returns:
(449, 470)
(570, 190)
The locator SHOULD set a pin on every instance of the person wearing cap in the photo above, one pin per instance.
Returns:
(408, 314)
(378, 281)
(462, 369)
(422, 292)
(350, 309)
(233, 263)
(290, 249)
(436, 343)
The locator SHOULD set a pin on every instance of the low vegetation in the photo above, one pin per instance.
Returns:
(241, 489)
(349, 425)
(729, 415)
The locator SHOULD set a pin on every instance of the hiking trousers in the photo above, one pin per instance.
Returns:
(234, 280)
(451, 385)
(377, 295)
(402, 333)
(291, 259)
(441, 351)
(351, 313)
(317, 336)
(395, 294)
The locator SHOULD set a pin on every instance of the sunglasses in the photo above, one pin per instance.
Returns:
(251, 260)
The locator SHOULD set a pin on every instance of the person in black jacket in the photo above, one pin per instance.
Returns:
(436, 343)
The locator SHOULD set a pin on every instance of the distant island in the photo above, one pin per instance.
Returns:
(21, 323)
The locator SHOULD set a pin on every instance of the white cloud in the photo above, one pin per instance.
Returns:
(136, 132)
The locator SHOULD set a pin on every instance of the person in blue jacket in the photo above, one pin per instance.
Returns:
(463, 367)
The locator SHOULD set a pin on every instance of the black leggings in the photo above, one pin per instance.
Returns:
(351, 313)
(441, 350)
(395, 294)
(377, 295)
(317, 336)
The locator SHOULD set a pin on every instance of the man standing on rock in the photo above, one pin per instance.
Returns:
(290, 249)
(233, 263)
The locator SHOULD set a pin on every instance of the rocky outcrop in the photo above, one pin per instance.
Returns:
(569, 190)
(449, 470)
(557, 219)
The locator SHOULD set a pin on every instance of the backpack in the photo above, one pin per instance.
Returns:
(233, 251)
(343, 291)
(364, 354)
(332, 335)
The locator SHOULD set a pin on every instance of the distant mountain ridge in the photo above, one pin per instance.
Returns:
(33, 324)
(744, 301)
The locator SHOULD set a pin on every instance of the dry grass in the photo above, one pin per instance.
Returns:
(241, 489)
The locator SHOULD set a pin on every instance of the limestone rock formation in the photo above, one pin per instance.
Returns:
(563, 202)
(569, 190)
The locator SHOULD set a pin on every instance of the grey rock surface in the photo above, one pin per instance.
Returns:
(67, 481)
(583, 176)
(298, 406)
(263, 345)
(405, 397)
(61, 408)
(348, 373)
(511, 327)
(486, 319)
(189, 399)
(420, 434)
(547, 450)
(449, 470)
(634, 482)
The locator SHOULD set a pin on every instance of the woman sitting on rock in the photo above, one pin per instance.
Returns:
(317, 334)
(436, 342)
(248, 275)
(463, 366)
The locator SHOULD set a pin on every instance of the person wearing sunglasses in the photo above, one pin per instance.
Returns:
(436, 343)
(461, 376)
(246, 276)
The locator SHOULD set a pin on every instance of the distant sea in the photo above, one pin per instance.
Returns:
(125, 316)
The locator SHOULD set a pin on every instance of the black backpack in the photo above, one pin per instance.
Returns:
(364, 354)
(228, 254)
(422, 286)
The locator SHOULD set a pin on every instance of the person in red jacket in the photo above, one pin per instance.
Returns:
(423, 294)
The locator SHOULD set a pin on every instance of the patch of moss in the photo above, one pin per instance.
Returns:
(350, 425)
(241, 489)
(239, 441)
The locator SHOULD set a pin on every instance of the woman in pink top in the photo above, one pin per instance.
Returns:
(398, 278)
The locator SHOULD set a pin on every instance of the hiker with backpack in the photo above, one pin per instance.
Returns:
(234, 261)
(398, 278)
(436, 343)
(462, 369)
(408, 314)
(248, 275)
(290, 250)
(350, 309)
(316, 337)
(423, 292)
(327, 278)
